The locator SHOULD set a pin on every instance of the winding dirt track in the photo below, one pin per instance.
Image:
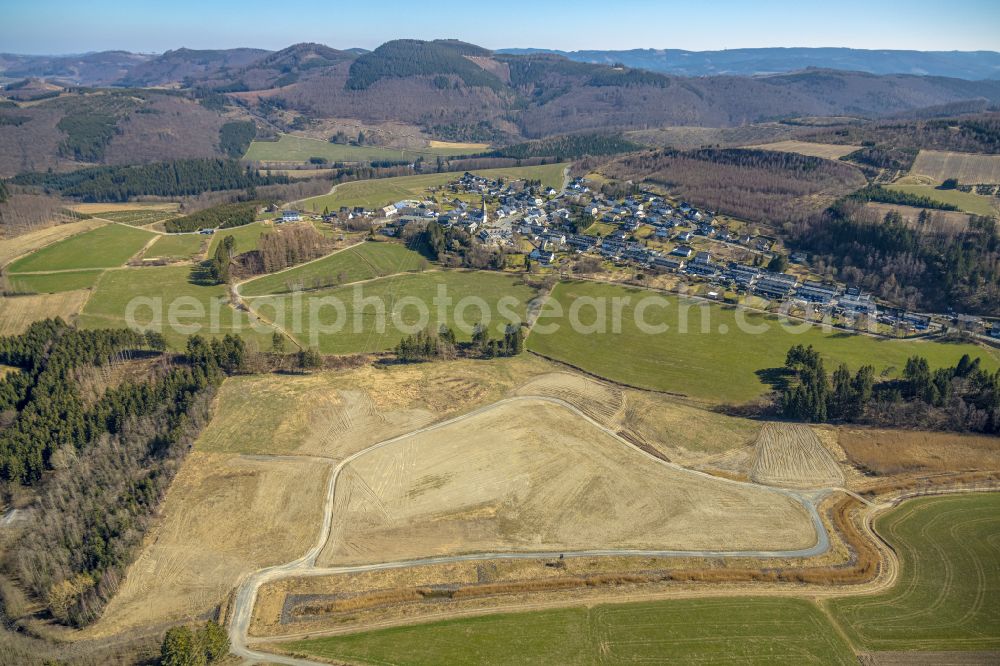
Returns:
(246, 594)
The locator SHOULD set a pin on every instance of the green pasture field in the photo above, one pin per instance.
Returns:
(51, 283)
(361, 262)
(197, 309)
(292, 148)
(246, 236)
(311, 319)
(176, 246)
(718, 365)
(105, 247)
(383, 191)
(969, 202)
(688, 631)
(947, 596)
(600, 229)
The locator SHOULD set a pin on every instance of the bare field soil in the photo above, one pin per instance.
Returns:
(661, 423)
(96, 208)
(791, 455)
(19, 312)
(458, 145)
(969, 168)
(528, 476)
(828, 151)
(224, 517)
(906, 451)
(12, 248)
(335, 414)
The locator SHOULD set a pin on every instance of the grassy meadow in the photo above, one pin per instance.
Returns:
(105, 247)
(246, 236)
(718, 365)
(966, 201)
(360, 262)
(176, 246)
(709, 631)
(52, 283)
(313, 320)
(194, 308)
(947, 596)
(383, 191)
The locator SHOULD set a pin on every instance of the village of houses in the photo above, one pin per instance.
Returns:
(650, 235)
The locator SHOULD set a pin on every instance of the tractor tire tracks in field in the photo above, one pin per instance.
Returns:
(245, 598)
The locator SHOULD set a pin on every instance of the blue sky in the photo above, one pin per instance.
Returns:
(60, 26)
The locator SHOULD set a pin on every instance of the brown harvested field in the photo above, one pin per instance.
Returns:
(19, 312)
(531, 475)
(687, 138)
(96, 208)
(791, 455)
(224, 517)
(600, 401)
(830, 151)
(902, 451)
(458, 145)
(969, 168)
(12, 248)
(338, 413)
(943, 220)
(678, 431)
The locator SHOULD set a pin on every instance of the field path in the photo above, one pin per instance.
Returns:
(246, 593)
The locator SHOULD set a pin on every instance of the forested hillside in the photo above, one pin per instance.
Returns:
(973, 134)
(447, 89)
(926, 266)
(166, 179)
(101, 452)
(752, 184)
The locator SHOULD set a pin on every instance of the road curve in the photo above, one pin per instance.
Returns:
(246, 594)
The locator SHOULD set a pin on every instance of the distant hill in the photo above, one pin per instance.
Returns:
(972, 65)
(444, 89)
(189, 64)
(89, 69)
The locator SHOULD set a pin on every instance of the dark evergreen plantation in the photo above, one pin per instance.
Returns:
(963, 398)
(163, 179)
(101, 457)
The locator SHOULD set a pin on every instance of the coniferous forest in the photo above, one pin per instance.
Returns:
(100, 445)
(163, 179)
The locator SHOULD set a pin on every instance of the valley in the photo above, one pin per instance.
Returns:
(423, 351)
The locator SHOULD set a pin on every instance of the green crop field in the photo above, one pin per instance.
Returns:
(176, 246)
(967, 201)
(105, 247)
(719, 364)
(313, 319)
(702, 631)
(947, 596)
(360, 262)
(383, 191)
(51, 283)
(166, 291)
(292, 148)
